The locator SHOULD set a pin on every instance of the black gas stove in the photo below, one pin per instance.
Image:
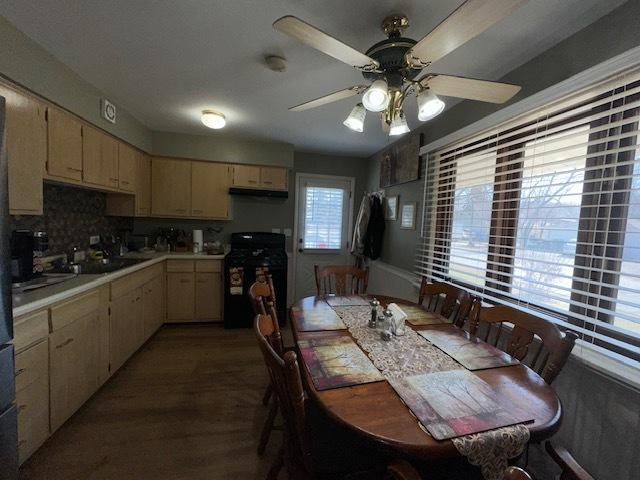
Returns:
(253, 254)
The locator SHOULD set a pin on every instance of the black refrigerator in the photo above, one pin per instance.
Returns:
(8, 412)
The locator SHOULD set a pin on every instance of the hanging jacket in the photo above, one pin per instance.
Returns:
(360, 228)
(375, 229)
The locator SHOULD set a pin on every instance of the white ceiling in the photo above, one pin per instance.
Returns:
(165, 61)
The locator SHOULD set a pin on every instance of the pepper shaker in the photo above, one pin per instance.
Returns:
(374, 312)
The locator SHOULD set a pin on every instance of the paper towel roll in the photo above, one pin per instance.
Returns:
(197, 238)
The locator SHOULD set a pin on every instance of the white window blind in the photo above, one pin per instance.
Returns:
(544, 212)
(323, 218)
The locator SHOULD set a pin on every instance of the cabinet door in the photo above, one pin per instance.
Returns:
(210, 184)
(126, 331)
(72, 363)
(180, 297)
(208, 296)
(26, 139)
(274, 178)
(64, 146)
(246, 176)
(143, 185)
(127, 166)
(170, 187)
(153, 303)
(99, 158)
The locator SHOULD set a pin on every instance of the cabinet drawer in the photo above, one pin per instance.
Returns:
(32, 365)
(33, 417)
(65, 313)
(179, 265)
(124, 285)
(208, 266)
(30, 329)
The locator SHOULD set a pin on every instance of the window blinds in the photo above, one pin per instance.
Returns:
(544, 212)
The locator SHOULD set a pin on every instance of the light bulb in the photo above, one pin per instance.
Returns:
(355, 120)
(429, 105)
(213, 119)
(398, 125)
(376, 98)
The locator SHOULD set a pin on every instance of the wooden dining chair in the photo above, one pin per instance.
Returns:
(571, 470)
(341, 279)
(447, 300)
(263, 300)
(536, 342)
(309, 449)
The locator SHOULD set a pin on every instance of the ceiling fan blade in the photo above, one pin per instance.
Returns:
(470, 88)
(470, 19)
(300, 30)
(332, 97)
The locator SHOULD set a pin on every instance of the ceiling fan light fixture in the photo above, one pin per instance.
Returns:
(398, 125)
(355, 120)
(213, 119)
(376, 98)
(429, 105)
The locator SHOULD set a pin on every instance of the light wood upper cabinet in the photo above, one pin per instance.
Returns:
(274, 178)
(99, 158)
(180, 297)
(26, 140)
(143, 185)
(246, 176)
(170, 187)
(127, 166)
(65, 145)
(210, 184)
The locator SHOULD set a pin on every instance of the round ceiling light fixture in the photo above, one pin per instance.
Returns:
(213, 119)
(275, 63)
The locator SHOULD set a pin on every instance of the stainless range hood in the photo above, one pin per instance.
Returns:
(250, 192)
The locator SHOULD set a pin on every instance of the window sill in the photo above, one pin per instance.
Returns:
(605, 362)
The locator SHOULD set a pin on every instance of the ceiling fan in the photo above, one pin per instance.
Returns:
(393, 65)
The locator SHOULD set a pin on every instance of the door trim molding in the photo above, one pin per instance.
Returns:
(299, 175)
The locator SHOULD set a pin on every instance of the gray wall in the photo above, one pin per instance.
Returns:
(612, 35)
(221, 148)
(263, 214)
(28, 64)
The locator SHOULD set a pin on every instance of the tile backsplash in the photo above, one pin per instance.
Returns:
(70, 216)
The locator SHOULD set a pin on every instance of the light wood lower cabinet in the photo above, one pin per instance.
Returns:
(180, 297)
(153, 306)
(194, 290)
(73, 360)
(32, 398)
(126, 332)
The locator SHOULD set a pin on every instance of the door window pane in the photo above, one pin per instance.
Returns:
(323, 218)
(471, 222)
(550, 199)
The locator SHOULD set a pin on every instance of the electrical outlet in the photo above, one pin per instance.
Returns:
(94, 239)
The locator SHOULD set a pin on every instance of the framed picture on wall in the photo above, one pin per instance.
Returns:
(408, 216)
(391, 208)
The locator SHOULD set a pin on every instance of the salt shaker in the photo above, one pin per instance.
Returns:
(374, 312)
(386, 324)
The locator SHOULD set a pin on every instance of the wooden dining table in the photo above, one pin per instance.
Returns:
(375, 410)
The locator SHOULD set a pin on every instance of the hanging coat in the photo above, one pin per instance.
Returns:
(360, 229)
(375, 229)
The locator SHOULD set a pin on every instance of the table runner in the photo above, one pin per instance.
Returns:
(411, 354)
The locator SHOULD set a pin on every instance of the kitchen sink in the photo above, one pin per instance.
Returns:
(106, 265)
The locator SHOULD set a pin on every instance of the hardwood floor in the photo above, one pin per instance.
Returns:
(186, 406)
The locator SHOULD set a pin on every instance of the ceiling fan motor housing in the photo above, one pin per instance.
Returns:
(390, 53)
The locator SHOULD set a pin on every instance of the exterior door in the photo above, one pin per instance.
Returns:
(324, 209)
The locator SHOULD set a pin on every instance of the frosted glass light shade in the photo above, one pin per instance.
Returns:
(429, 105)
(398, 125)
(376, 98)
(213, 119)
(355, 120)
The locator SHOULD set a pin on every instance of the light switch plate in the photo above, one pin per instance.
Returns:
(93, 239)
(275, 230)
(287, 232)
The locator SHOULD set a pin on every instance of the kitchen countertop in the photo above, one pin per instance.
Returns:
(33, 300)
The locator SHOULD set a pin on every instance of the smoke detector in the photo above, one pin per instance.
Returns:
(275, 63)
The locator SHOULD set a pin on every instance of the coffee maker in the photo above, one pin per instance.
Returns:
(26, 246)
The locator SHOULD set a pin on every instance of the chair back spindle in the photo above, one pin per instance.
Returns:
(449, 301)
(341, 280)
